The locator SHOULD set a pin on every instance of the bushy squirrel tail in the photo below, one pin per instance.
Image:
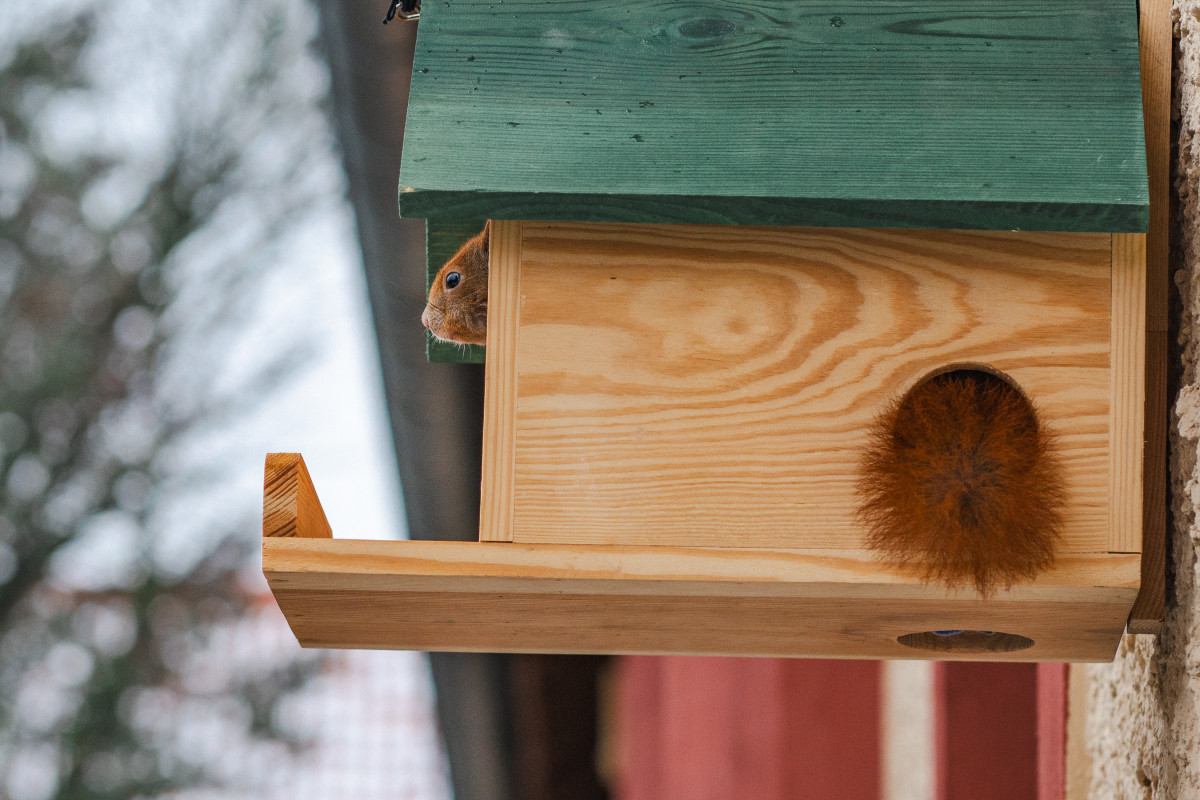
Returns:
(960, 481)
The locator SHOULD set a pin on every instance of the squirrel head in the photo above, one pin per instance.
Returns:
(457, 306)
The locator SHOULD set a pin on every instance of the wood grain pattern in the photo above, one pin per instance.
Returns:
(500, 387)
(1155, 33)
(290, 503)
(509, 597)
(1150, 608)
(720, 386)
(598, 570)
(997, 114)
(442, 240)
(1128, 412)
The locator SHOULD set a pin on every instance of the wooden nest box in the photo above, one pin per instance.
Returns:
(725, 238)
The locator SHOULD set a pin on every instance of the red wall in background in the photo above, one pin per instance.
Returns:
(985, 721)
(761, 729)
(775, 729)
(1052, 730)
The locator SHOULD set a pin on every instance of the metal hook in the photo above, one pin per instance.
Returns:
(407, 10)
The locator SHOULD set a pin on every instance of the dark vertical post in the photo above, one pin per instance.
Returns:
(435, 409)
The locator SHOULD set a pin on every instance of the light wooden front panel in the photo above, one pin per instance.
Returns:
(713, 386)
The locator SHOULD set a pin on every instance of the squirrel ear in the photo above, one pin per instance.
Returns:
(487, 233)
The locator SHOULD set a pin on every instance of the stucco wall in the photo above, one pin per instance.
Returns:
(1143, 729)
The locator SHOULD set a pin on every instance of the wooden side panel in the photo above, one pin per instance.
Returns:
(1150, 608)
(720, 386)
(500, 387)
(1128, 414)
(508, 597)
(1155, 36)
(290, 503)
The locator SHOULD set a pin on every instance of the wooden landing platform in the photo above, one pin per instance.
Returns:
(512, 597)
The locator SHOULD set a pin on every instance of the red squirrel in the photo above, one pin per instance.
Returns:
(960, 481)
(457, 307)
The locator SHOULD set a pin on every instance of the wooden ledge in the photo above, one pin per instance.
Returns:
(340, 565)
(506, 597)
(503, 597)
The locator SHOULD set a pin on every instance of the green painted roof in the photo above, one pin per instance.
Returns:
(998, 114)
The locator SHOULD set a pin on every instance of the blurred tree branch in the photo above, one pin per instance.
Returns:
(125, 272)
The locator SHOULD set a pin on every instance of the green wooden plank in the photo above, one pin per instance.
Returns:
(972, 114)
(442, 240)
(1080, 217)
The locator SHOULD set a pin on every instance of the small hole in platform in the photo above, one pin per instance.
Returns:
(965, 641)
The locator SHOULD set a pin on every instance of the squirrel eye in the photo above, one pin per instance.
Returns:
(452, 279)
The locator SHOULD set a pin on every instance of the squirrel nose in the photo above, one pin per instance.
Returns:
(425, 317)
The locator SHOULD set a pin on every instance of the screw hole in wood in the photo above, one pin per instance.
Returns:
(965, 641)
